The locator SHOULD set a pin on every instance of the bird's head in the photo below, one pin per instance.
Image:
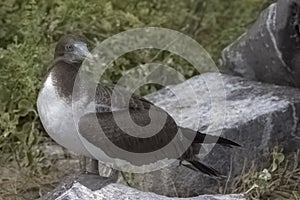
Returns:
(72, 49)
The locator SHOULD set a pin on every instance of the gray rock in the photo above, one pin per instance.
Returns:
(93, 182)
(258, 116)
(270, 50)
(121, 192)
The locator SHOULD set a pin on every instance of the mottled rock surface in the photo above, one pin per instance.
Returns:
(258, 116)
(121, 192)
(270, 50)
(89, 181)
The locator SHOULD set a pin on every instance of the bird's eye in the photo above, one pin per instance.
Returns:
(69, 47)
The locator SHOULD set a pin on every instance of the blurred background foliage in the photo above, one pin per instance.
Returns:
(30, 28)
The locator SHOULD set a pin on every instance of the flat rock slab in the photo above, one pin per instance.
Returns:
(270, 50)
(121, 192)
(258, 116)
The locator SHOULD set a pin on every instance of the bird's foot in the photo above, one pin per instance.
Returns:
(92, 172)
(89, 167)
(94, 167)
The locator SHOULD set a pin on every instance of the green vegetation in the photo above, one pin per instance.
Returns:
(30, 28)
(279, 181)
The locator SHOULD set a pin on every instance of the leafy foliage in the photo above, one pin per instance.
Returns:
(279, 181)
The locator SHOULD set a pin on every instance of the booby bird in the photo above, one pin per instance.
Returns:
(55, 110)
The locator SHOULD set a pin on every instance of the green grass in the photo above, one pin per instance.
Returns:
(22, 184)
(280, 181)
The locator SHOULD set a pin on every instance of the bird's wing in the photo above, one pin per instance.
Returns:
(109, 98)
(104, 97)
(97, 127)
(103, 127)
(200, 138)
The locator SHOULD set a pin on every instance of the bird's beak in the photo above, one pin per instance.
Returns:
(82, 51)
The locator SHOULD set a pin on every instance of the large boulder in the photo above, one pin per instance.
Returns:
(258, 116)
(270, 50)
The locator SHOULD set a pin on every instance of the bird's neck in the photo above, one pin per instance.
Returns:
(63, 76)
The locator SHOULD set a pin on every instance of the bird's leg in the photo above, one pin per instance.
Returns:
(180, 162)
(94, 169)
(125, 178)
(83, 164)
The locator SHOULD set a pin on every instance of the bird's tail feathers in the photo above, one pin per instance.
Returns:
(203, 138)
(198, 166)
